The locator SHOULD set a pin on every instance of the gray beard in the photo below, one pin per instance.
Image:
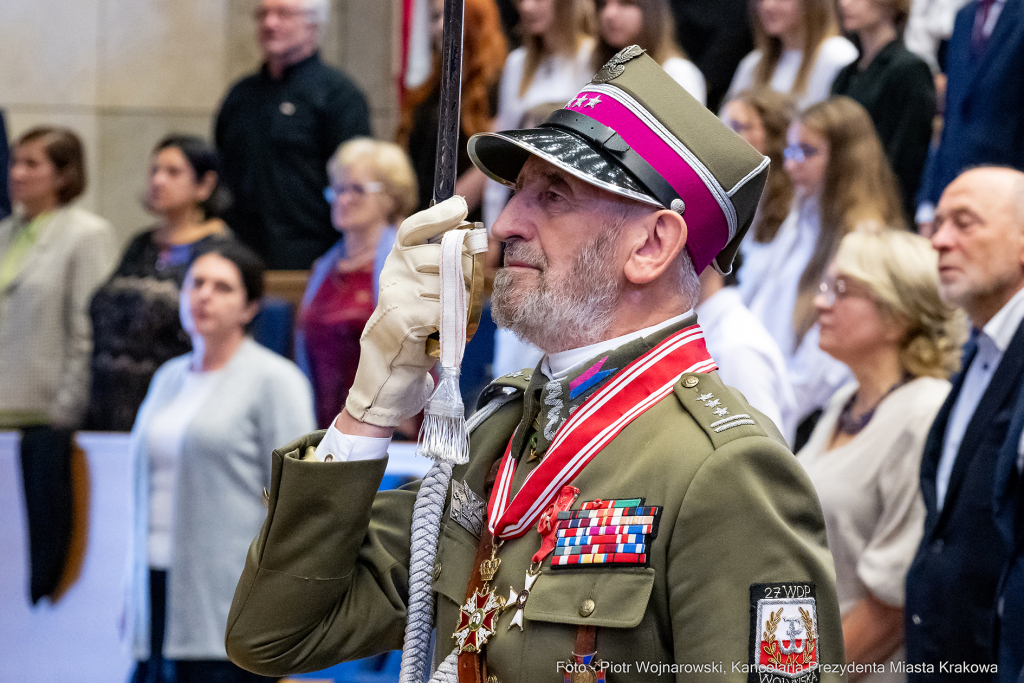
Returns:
(557, 316)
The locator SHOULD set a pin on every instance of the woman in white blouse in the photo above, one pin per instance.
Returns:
(798, 50)
(841, 180)
(201, 445)
(880, 314)
(649, 24)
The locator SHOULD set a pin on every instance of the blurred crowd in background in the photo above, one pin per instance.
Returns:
(874, 315)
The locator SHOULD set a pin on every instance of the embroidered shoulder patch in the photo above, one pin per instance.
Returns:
(605, 532)
(783, 632)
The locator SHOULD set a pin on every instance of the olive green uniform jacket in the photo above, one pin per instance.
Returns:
(327, 579)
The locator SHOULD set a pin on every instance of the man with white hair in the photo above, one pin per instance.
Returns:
(640, 516)
(979, 235)
(276, 131)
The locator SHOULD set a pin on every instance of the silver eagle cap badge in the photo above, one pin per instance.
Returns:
(616, 65)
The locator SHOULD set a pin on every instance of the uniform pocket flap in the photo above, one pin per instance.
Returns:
(456, 550)
(610, 598)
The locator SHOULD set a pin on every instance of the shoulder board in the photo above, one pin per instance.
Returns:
(516, 381)
(721, 412)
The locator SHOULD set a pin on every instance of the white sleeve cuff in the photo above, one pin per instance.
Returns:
(347, 447)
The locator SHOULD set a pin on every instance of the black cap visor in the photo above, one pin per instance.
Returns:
(502, 156)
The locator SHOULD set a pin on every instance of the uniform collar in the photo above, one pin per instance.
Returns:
(558, 365)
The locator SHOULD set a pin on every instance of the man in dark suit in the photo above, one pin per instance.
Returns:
(1009, 511)
(984, 112)
(951, 584)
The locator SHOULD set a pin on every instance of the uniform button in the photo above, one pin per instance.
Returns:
(937, 546)
(587, 608)
(916, 619)
(690, 382)
(437, 571)
(329, 457)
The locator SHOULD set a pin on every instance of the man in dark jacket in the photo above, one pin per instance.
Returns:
(951, 584)
(276, 131)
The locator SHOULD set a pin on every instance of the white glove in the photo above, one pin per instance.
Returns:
(392, 381)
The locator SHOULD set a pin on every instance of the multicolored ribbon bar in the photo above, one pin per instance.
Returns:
(603, 532)
(605, 504)
(608, 512)
(605, 521)
(591, 540)
(598, 559)
(637, 548)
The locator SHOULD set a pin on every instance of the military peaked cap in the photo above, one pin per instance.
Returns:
(635, 132)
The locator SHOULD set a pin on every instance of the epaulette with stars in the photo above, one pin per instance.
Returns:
(720, 412)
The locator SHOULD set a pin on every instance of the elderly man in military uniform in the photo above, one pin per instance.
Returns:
(623, 515)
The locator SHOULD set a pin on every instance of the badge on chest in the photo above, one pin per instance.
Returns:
(468, 510)
(605, 532)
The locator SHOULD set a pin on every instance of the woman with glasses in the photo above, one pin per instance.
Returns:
(135, 317)
(841, 179)
(372, 189)
(880, 314)
(798, 50)
(762, 117)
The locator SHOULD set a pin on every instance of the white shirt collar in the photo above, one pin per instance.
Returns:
(1003, 325)
(558, 365)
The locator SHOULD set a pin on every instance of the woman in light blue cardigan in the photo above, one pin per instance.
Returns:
(201, 446)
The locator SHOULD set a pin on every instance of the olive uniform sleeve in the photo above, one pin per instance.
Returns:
(746, 520)
(296, 608)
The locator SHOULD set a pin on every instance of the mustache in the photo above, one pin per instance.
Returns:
(518, 250)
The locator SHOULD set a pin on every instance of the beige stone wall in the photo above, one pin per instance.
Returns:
(123, 73)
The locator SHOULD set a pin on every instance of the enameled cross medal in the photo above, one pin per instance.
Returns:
(479, 615)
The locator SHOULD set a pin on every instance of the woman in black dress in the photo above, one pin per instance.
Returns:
(135, 320)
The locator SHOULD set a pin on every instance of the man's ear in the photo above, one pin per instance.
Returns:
(662, 236)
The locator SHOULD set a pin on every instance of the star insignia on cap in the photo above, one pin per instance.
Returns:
(594, 101)
(722, 411)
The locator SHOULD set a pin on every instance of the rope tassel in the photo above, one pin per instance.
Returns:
(443, 436)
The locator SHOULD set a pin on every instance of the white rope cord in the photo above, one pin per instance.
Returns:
(426, 526)
(426, 522)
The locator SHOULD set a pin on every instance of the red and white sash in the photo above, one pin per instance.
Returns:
(625, 397)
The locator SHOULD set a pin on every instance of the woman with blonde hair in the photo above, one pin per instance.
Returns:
(797, 50)
(373, 188)
(649, 24)
(841, 180)
(554, 62)
(879, 313)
